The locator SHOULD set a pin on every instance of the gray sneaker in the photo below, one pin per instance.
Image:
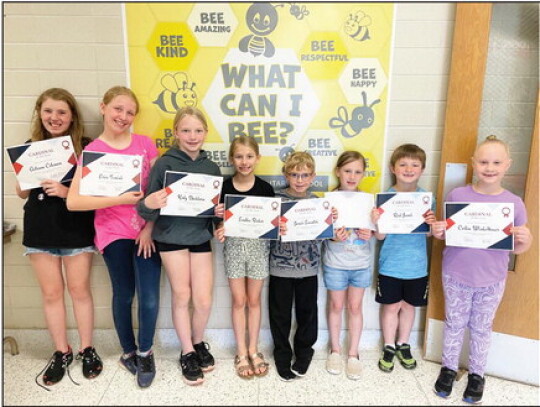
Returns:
(129, 363)
(146, 370)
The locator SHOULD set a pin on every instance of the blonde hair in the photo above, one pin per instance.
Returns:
(408, 151)
(76, 128)
(348, 157)
(120, 91)
(189, 111)
(491, 139)
(245, 141)
(298, 160)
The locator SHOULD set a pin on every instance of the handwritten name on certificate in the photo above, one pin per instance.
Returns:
(354, 208)
(110, 174)
(189, 194)
(307, 219)
(253, 217)
(403, 212)
(46, 159)
(479, 225)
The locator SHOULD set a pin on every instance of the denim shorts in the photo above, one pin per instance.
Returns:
(60, 252)
(339, 280)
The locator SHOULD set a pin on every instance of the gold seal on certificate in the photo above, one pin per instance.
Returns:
(479, 225)
(403, 212)
(253, 217)
(35, 162)
(307, 219)
(353, 208)
(110, 174)
(191, 194)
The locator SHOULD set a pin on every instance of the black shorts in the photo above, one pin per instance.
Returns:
(198, 248)
(391, 290)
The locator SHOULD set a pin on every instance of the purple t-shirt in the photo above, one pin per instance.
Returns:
(480, 267)
(122, 221)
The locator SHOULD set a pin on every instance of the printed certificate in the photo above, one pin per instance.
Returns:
(354, 208)
(46, 159)
(307, 219)
(479, 225)
(190, 194)
(110, 174)
(403, 212)
(253, 217)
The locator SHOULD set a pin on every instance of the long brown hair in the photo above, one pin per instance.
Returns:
(76, 128)
(347, 157)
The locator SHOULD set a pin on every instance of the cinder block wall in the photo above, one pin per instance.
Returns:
(79, 46)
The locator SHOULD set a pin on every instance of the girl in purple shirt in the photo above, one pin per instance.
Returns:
(474, 279)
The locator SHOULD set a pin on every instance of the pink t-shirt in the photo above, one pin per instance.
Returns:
(480, 267)
(122, 221)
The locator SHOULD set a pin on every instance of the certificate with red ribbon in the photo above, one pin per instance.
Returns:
(110, 174)
(35, 162)
(307, 219)
(253, 217)
(403, 212)
(191, 194)
(479, 225)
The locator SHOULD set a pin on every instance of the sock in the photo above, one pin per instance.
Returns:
(390, 344)
(128, 355)
(144, 354)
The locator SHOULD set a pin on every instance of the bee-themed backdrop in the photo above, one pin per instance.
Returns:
(295, 76)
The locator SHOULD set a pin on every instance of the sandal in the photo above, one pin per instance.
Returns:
(242, 369)
(263, 364)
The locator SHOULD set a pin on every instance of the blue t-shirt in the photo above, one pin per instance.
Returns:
(404, 256)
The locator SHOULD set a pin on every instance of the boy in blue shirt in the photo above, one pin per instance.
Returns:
(402, 283)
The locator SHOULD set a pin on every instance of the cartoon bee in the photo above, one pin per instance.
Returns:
(298, 12)
(261, 19)
(356, 26)
(362, 117)
(178, 92)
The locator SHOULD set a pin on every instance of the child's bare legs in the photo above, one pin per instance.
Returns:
(202, 284)
(177, 266)
(355, 297)
(238, 288)
(48, 269)
(335, 310)
(390, 321)
(78, 282)
(254, 288)
(406, 322)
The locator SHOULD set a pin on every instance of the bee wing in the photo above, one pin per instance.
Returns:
(343, 117)
(169, 83)
(181, 78)
(365, 21)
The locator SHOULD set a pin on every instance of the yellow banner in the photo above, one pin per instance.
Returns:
(295, 76)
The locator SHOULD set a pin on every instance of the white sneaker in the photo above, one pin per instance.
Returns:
(354, 368)
(334, 363)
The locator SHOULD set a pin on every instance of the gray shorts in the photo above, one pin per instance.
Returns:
(246, 258)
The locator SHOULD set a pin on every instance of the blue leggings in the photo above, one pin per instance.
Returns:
(129, 272)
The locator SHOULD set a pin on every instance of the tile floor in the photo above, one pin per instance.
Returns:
(222, 387)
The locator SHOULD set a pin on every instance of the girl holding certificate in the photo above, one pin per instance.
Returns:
(184, 243)
(346, 271)
(246, 260)
(55, 237)
(474, 279)
(124, 237)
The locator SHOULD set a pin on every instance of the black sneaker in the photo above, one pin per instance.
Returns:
(91, 362)
(146, 370)
(129, 363)
(56, 368)
(386, 363)
(445, 381)
(475, 389)
(206, 360)
(191, 370)
(300, 367)
(286, 374)
(403, 353)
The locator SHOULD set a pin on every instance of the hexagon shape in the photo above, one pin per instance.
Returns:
(272, 102)
(172, 46)
(163, 136)
(363, 74)
(212, 24)
(323, 55)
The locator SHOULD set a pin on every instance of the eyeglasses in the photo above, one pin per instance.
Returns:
(302, 176)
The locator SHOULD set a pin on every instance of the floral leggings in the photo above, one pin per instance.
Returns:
(472, 307)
